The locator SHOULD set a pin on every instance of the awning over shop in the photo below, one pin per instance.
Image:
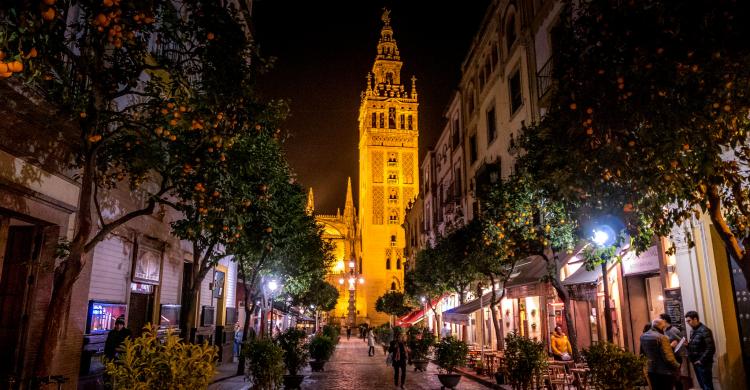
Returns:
(530, 270)
(460, 314)
(417, 315)
(582, 276)
(411, 318)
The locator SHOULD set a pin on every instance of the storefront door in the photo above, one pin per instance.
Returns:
(19, 252)
(139, 313)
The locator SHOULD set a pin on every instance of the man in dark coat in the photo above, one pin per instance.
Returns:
(115, 338)
(701, 349)
(661, 361)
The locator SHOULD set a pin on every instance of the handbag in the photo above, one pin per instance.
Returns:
(389, 358)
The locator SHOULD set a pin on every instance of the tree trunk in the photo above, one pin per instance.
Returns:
(497, 325)
(187, 311)
(249, 310)
(66, 274)
(740, 255)
(607, 307)
(562, 292)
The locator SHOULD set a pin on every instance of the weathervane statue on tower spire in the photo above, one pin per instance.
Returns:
(386, 18)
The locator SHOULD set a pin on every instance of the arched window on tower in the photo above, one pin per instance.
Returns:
(398, 263)
(402, 122)
(360, 265)
(393, 286)
(389, 78)
(374, 120)
(410, 123)
(388, 263)
(382, 120)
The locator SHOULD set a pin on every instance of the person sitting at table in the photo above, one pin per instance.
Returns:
(561, 348)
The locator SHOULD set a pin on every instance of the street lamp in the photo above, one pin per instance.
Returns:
(604, 236)
(271, 287)
(424, 311)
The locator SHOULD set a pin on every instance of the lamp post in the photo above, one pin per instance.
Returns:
(271, 286)
(481, 318)
(315, 313)
(602, 237)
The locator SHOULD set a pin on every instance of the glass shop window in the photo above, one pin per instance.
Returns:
(102, 316)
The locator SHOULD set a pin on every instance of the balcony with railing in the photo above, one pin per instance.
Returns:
(544, 79)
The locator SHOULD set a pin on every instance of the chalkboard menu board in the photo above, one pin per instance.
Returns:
(673, 307)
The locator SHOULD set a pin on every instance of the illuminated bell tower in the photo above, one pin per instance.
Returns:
(388, 170)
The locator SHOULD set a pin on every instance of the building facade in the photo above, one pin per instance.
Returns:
(505, 84)
(388, 170)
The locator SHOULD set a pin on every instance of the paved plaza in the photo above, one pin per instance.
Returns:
(351, 369)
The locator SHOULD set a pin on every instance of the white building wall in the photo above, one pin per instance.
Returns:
(171, 275)
(231, 281)
(110, 279)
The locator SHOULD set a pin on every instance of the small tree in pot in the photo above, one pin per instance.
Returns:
(384, 335)
(525, 360)
(321, 349)
(293, 343)
(420, 341)
(265, 365)
(450, 353)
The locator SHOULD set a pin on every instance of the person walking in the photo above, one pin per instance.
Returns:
(701, 350)
(661, 361)
(348, 332)
(370, 343)
(400, 357)
(115, 338)
(682, 376)
(560, 344)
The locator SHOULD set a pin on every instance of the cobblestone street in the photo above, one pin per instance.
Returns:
(351, 369)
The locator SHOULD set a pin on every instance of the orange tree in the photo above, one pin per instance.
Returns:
(648, 120)
(277, 236)
(159, 96)
(89, 68)
(522, 224)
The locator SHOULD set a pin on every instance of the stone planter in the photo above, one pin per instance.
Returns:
(292, 382)
(317, 365)
(500, 378)
(449, 381)
(420, 364)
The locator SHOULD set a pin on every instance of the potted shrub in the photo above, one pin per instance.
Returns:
(479, 367)
(420, 342)
(321, 349)
(332, 332)
(147, 363)
(525, 360)
(265, 363)
(293, 343)
(613, 368)
(449, 354)
(384, 335)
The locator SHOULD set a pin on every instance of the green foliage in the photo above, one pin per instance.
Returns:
(450, 353)
(322, 347)
(296, 352)
(420, 342)
(613, 368)
(525, 360)
(442, 268)
(648, 121)
(265, 365)
(321, 294)
(147, 363)
(392, 303)
(384, 334)
(332, 332)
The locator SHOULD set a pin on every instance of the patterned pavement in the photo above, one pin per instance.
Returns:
(351, 369)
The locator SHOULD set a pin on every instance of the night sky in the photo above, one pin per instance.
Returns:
(324, 50)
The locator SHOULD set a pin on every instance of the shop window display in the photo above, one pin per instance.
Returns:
(102, 316)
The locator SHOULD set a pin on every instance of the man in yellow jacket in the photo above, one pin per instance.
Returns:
(561, 348)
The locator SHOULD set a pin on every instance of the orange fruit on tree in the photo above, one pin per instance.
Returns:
(49, 2)
(15, 66)
(4, 67)
(48, 14)
(32, 53)
(107, 3)
(210, 36)
(5, 75)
